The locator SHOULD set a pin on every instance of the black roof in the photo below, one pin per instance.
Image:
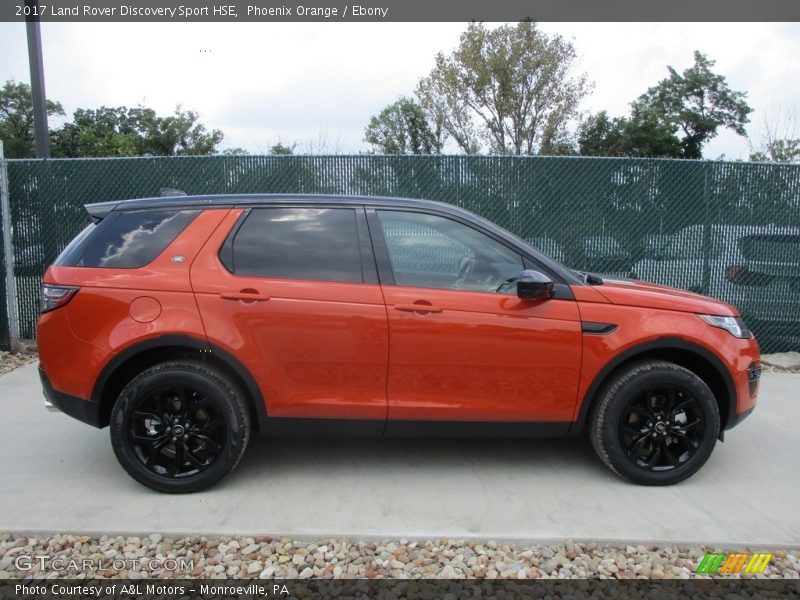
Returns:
(101, 209)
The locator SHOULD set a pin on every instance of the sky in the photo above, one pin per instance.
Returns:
(317, 84)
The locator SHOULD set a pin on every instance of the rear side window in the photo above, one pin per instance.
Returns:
(771, 248)
(126, 240)
(297, 243)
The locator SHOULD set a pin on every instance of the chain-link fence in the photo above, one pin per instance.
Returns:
(730, 230)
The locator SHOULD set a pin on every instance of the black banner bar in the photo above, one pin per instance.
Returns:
(426, 589)
(401, 10)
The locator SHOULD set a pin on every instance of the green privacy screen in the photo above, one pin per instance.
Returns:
(730, 230)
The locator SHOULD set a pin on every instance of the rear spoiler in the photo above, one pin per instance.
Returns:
(99, 210)
(774, 268)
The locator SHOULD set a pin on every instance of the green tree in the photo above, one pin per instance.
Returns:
(696, 104)
(509, 90)
(673, 119)
(781, 150)
(561, 143)
(138, 131)
(235, 152)
(642, 135)
(403, 128)
(16, 119)
(100, 132)
(181, 133)
(600, 135)
(281, 149)
(778, 138)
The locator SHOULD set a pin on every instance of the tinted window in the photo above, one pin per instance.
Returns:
(126, 240)
(299, 243)
(72, 253)
(432, 251)
(771, 248)
(689, 245)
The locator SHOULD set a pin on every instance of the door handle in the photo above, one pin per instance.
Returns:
(244, 296)
(418, 308)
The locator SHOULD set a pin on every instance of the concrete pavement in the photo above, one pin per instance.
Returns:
(61, 475)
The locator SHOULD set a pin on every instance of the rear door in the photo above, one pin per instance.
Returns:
(461, 350)
(292, 292)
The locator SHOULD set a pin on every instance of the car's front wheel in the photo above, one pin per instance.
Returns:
(179, 427)
(655, 423)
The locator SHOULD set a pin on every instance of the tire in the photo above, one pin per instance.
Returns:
(179, 427)
(655, 423)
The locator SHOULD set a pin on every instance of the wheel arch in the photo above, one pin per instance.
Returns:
(143, 355)
(699, 360)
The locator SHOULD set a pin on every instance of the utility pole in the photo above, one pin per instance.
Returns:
(8, 253)
(40, 130)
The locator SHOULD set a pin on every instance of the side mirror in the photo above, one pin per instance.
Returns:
(533, 285)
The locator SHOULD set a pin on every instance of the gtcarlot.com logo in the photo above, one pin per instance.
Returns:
(735, 562)
(47, 563)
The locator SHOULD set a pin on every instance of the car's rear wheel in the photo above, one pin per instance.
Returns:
(179, 427)
(656, 423)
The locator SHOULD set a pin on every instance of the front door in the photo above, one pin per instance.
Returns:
(460, 349)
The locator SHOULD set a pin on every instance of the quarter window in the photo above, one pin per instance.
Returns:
(126, 240)
(436, 252)
(298, 243)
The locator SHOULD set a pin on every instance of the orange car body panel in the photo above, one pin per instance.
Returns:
(667, 310)
(315, 348)
(483, 357)
(739, 355)
(71, 363)
(653, 296)
(103, 314)
(357, 351)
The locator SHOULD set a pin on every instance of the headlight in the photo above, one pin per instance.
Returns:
(733, 325)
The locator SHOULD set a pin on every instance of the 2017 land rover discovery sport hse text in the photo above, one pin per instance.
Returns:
(187, 323)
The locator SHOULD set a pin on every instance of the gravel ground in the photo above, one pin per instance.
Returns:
(11, 360)
(265, 557)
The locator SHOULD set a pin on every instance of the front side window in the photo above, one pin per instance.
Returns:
(298, 243)
(126, 240)
(436, 252)
(689, 245)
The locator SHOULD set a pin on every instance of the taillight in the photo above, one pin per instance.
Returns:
(741, 275)
(734, 272)
(54, 296)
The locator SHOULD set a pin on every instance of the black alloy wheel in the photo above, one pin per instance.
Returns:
(176, 431)
(180, 426)
(662, 428)
(654, 423)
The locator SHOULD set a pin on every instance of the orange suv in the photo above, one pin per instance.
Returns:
(186, 323)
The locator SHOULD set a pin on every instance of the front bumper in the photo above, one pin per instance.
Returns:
(753, 381)
(737, 418)
(77, 408)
